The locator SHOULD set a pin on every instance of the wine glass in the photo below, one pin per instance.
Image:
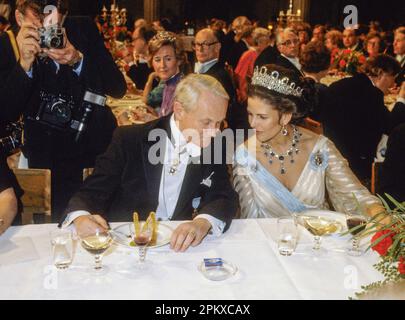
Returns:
(141, 240)
(356, 223)
(96, 244)
(319, 226)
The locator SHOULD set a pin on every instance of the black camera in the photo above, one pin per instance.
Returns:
(13, 141)
(51, 37)
(62, 113)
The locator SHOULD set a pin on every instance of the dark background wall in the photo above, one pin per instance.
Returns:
(389, 12)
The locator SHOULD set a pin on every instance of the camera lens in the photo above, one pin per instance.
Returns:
(61, 112)
(56, 42)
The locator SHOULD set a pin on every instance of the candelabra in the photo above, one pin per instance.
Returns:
(114, 24)
(289, 17)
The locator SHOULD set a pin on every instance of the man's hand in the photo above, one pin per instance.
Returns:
(189, 233)
(88, 225)
(28, 45)
(67, 55)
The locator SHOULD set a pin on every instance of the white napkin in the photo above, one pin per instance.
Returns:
(17, 250)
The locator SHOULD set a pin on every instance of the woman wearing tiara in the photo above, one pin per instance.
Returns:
(283, 168)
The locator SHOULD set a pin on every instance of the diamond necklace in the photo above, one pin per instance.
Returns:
(271, 154)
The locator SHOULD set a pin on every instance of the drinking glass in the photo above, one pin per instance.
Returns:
(142, 240)
(319, 226)
(356, 223)
(97, 244)
(62, 248)
(287, 233)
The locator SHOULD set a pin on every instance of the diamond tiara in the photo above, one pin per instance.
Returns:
(164, 36)
(274, 83)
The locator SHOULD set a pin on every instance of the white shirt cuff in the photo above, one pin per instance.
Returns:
(218, 226)
(400, 99)
(72, 216)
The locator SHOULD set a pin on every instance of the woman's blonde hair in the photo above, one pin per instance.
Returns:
(191, 87)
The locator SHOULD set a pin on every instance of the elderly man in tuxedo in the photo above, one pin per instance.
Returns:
(288, 45)
(163, 166)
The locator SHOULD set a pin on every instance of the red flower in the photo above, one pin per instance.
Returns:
(383, 246)
(401, 265)
(362, 59)
(347, 51)
(342, 63)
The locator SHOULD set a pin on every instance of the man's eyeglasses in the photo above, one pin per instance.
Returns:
(290, 42)
(204, 45)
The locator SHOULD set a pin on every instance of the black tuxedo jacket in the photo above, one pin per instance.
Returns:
(355, 118)
(284, 62)
(268, 56)
(218, 72)
(19, 93)
(392, 174)
(125, 181)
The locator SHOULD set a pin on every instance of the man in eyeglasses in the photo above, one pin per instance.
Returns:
(288, 45)
(207, 50)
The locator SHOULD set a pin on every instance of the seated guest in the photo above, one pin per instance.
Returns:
(244, 70)
(392, 174)
(139, 70)
(319, 33)
(166, 174)
(10, 193)
(270, 54)
(233, 46)
(304, 34)
(374, 44)
(399, 51)
(207, 48)
(351, 40)
(356, 116)
(334, 43)
(285, 169)
(288, 46)
(315, 62)
(166, 55)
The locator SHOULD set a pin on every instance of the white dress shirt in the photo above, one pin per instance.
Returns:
(204, 67)
(177, 156)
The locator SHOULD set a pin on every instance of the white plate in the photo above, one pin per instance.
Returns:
(340, 218)
(123, 235)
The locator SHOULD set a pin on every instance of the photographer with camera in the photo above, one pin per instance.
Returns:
(56, 70)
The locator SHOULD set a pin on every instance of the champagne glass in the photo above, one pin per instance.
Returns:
(97, 244)
(356, 223)
(319, 226)
(142, 240)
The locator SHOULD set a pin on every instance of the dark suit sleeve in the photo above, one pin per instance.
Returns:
(219, 200)
(99, 69)
(97, 191)
(15, 86)
(392, 175)
(397, 116)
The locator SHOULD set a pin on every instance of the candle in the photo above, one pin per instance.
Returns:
(299, 12)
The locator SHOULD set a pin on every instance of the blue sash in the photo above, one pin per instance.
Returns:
(269, 182)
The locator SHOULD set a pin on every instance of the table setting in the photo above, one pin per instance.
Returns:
(249, 261)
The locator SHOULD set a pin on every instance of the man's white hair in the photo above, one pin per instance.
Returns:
(191, 87)
(284, 32)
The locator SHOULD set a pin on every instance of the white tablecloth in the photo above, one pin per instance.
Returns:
(249, 244)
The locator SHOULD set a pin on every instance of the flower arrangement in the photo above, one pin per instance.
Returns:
(348, 61)
(389, 241)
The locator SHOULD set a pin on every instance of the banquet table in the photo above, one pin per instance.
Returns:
(26, 269)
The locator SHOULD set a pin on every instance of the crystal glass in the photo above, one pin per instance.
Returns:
(319, 226)
(97, 244)
(287, 233)
(62, 248)
(142, 240)
(356, 223)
